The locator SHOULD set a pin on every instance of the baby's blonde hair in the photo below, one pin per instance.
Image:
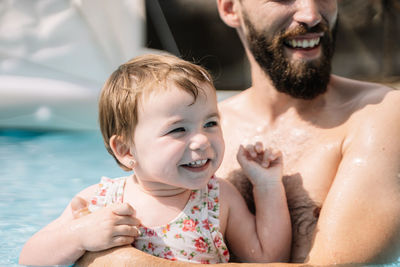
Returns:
(118, 103)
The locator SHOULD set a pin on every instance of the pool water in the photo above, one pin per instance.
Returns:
(39, 173)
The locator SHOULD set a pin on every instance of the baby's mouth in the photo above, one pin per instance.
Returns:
(196, 163)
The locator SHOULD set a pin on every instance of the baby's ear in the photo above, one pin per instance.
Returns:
(122, 151)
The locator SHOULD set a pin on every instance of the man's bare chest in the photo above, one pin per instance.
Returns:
(310, 158)
(312, 153)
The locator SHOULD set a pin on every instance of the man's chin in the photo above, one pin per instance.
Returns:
(300, 79)
(305, 87)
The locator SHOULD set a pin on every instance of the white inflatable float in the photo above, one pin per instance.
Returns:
(56, 54)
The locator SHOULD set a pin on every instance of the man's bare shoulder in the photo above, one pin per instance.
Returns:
(377, 95)
(237, 114)
(372, 108)
(361, 93)
(233, 106)
(363, 102)
(368, 171)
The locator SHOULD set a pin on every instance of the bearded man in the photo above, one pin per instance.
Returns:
(339, 137)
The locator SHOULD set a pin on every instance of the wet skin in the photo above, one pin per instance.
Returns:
(340, 150)
(330, 144)
(320, 162)
(341, 168)
(312, 153)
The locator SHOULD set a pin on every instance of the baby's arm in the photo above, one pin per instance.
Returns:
(265, 237)
(66, 239)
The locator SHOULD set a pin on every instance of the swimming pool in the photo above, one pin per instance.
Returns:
(40, 172)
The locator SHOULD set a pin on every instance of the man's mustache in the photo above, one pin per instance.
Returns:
(304, 29)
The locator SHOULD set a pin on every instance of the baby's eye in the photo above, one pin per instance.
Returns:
(211, 124)
(177, 130)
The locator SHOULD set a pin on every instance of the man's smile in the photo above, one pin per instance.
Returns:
(304, 47)
(303, 42)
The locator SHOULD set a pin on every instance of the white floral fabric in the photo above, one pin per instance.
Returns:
(193, 236)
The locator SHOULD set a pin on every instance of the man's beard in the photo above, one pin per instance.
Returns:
(303, 79)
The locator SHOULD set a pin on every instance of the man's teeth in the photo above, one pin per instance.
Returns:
(305, 43)
(197, 163)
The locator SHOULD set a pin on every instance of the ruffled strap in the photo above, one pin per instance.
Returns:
(109, 191)
(213, 218)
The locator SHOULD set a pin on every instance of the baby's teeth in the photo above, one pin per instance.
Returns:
(197, 162)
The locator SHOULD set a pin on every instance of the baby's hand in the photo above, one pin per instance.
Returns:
(261, 166)
(108, 227)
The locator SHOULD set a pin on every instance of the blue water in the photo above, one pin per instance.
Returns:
(39, 173)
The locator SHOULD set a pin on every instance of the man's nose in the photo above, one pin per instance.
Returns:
(308, 12)
(199, 141)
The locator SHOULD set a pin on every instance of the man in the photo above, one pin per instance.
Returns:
(339, 137)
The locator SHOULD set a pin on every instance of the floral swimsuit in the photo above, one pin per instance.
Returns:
(192, 236)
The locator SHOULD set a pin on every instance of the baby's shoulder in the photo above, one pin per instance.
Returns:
(88, 192)
(104, 183)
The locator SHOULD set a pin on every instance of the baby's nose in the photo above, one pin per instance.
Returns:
(199, 142)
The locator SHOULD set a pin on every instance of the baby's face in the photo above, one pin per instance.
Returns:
(177, 141)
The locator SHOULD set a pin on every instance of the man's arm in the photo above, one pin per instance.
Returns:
(66, 239)
(360, 218)
(124, 256)
(56, 243)
(129, 256)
